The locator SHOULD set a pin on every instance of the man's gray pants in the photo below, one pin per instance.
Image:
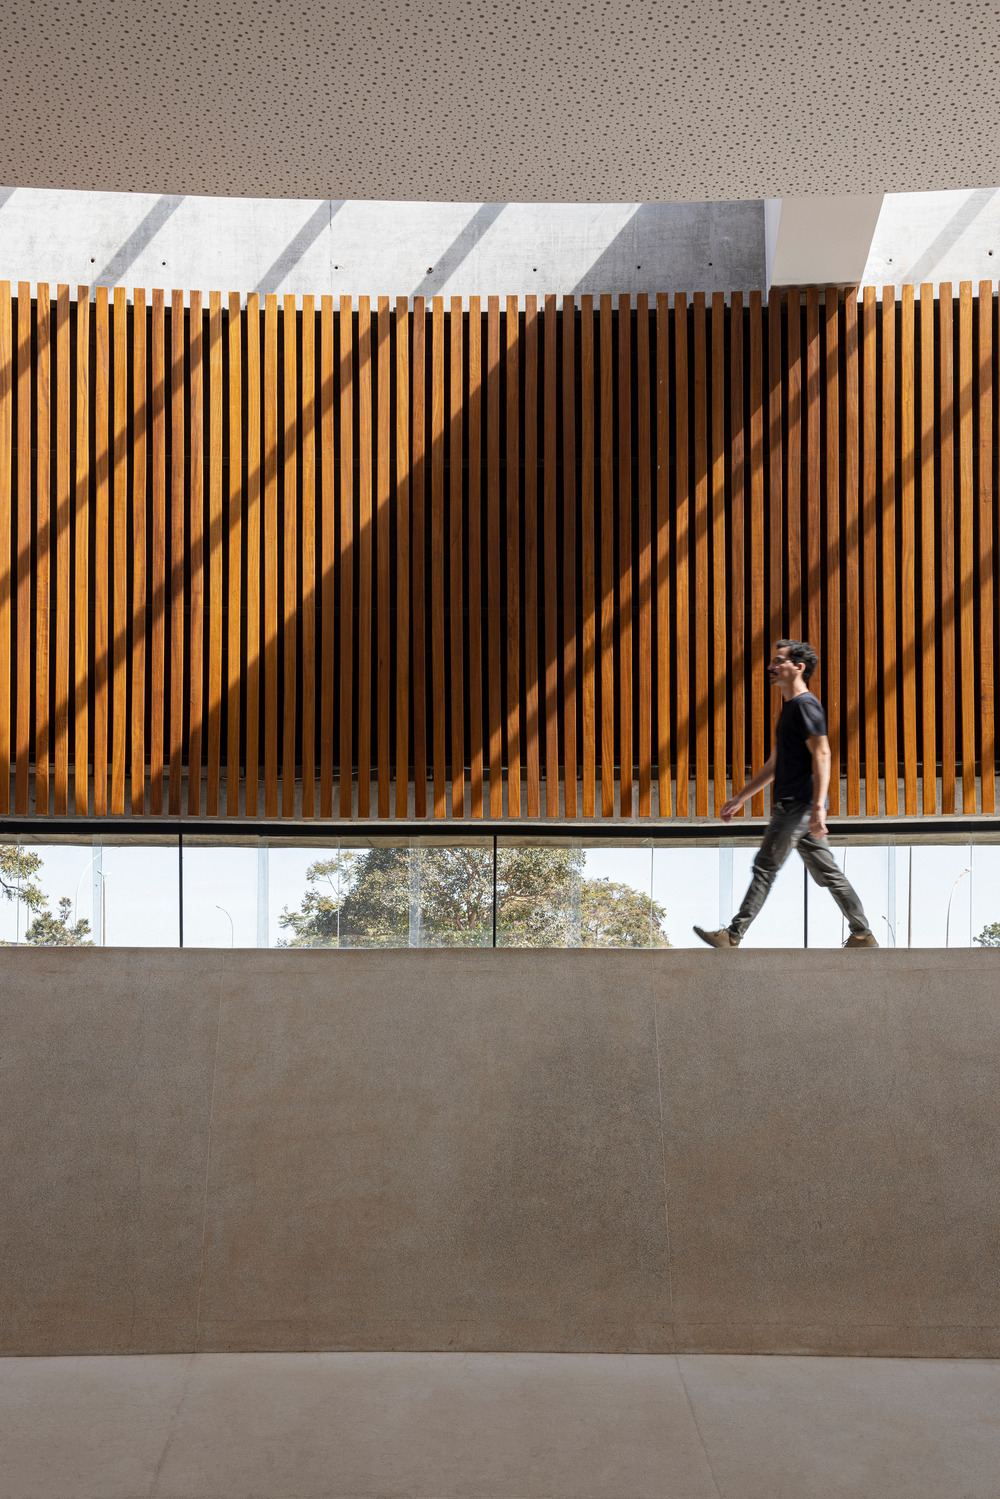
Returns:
(789, 829)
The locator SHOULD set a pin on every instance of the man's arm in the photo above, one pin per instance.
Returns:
(819, 748)
(763, 778)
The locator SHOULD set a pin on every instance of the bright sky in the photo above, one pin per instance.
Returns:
(701, 884)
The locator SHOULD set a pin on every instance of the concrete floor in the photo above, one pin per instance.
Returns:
(498, 1426)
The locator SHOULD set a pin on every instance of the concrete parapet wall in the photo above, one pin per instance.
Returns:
(552, 1151)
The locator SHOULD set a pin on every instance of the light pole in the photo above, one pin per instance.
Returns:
(230, 920)
(104, 907)
(80, 881)
(947, 925)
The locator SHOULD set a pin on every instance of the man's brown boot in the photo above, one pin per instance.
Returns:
(721, 938)
(864, 939)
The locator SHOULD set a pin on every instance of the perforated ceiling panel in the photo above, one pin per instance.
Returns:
(578, 100)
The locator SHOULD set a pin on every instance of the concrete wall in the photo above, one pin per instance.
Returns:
(458, 249)
(553, 1151)
(367, 248)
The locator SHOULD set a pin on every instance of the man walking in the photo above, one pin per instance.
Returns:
(799, 766)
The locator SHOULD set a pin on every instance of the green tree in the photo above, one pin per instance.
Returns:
(317, 923)
(989, 936)
(19, 868)
(453, 888)
(55, 931)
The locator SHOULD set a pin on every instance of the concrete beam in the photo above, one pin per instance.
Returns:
(819, 241)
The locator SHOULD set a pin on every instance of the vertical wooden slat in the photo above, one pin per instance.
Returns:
(438, 702)
(62, 546)
(137, 772)
(987, 551)
(346, 511)
(102, 422)
(513, 564)
(6, 533)
(793, 484)
(890, 748)
(701, 527)
(307, 725)
(737, 543)
(531, 705)
(814, 512)
(928, 541)
(869, 532)
(852, 590)
(328, 544)
(907, 538)
(157, 549)
(664, 798)
(43, 541)
(289, 546)
(119, 550)
(626, 747)
(177, 558)
(456, 542)
(531, 747)
(968, 675)
(775, 507)
(196, 552)
(570, 657)
(588, 582)
(382, 538)
(607, 533)
(271, 555)
(25, 706)
(759, 621)
(645, 518)
(493, 602)
(403, 559)
(946, 531)
(214, 753)
(418, 573)
(255, 634)
(550, 677)
(681, 556)
(364, 556)
(234, 600)
(834, 541)
(720, 592)
(475, 557)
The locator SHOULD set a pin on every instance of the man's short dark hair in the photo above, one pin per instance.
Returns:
(800, 651)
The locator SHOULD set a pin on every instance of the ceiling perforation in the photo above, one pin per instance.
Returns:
(592, 101)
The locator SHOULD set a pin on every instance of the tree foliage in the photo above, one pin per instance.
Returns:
(989, 936)
(55, 931)
(19, 870)
(19, 880)
(543, 900)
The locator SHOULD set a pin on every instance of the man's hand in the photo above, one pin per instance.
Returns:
(731, 808)
(817, 822)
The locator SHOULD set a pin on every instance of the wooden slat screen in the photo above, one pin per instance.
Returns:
(402, 561)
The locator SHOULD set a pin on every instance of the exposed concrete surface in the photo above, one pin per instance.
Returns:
(550, 1151)
(821, 241)
(948, 236)
(366, 248)
(510, 1426)
(353, 248)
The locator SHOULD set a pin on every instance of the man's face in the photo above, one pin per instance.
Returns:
(781, 671)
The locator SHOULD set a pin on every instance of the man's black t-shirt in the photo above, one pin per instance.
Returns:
(801, 717)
